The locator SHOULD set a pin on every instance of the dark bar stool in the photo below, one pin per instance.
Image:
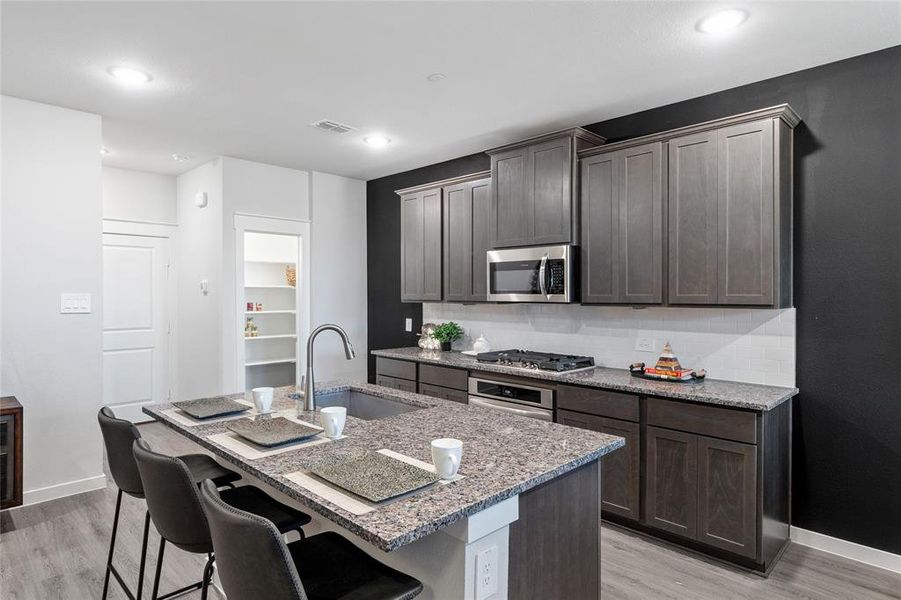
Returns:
(118, 437)
(254, 561)
(174, 505)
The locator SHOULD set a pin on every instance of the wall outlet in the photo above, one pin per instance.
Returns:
(486, 573)
(408, 324)
(645, 345)
(74, 303)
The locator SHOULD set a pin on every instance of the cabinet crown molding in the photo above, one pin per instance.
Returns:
(780, 111)
(574, 132)
(443, 183)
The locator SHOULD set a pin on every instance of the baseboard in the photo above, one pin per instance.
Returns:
(61, 490)
(858, 552)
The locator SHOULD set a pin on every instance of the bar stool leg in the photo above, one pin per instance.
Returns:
(143, 554)
(207, 576)
(159, 568)
(112, 545)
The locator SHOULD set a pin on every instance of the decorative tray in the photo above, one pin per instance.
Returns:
(372, 475)
(206, 408)
(272, 432)
(639, 370)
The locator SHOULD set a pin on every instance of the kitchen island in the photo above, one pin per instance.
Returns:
(527, 504)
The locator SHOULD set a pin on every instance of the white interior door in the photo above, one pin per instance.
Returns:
(135, 323)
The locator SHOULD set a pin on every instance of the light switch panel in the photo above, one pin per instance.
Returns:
(70, 303)
(408, 324)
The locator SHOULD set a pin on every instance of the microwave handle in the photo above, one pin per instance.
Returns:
(542, 275)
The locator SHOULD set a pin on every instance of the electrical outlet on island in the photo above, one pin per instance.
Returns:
(486, 573)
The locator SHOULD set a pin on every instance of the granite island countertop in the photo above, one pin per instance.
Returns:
(709, 391)
(503, 455)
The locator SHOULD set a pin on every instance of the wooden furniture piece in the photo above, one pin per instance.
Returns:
(713, 478)
(10, 452)
(622, 225)
(617, 414)
(429, 380)
(534, 196)
(420, 243)
(721, 191)
(466, 216)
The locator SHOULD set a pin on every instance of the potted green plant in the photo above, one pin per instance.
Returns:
(446, 333)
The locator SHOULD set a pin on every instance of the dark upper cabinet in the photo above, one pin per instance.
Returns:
(671, 481)
(622, 226)
(533, 199)
(692, 204)
(726, 199)
(420, 217)
(745, 213)
(727, 495)
(466, 240)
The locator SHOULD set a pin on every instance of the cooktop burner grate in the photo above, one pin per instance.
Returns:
(530, 359)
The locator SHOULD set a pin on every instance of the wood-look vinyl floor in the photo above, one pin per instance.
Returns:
(57, 550)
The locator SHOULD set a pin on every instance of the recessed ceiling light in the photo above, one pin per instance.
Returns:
(377, 141)
(436, 77)
(180, 157)
(129, 76)
(722, 21)
(104, 151)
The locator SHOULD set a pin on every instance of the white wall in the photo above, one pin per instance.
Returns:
(139, 196)
(255, 189)
(752, 345)
(51, 243)
(199, 257)
(339, 273)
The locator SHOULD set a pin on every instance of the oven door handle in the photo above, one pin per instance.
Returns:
(542, 275)
(544, 415)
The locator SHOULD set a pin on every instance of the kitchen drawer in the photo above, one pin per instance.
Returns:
(436, 391)
(713, 421)
(396, 383)
(615, 405)
(395, 368)
(457, 379)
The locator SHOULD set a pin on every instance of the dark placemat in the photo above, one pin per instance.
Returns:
(207, 408)
(372, 475)
(272, 432)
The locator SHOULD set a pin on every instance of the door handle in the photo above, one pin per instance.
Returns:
(542, 275)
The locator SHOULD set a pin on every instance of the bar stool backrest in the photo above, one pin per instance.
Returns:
(173, 499)
(253, 560)
(118, 437)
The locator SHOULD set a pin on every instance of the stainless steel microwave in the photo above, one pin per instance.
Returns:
(536, 274)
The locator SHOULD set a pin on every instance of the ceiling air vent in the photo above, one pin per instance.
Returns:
(331, 126)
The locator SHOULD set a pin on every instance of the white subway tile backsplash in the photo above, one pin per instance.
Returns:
(752, 345)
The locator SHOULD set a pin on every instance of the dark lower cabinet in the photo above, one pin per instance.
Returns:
(404, 385)
(436, 391)
(671, 484)
(620, 470)
(10, 452)
(727, 495)
(702, 488)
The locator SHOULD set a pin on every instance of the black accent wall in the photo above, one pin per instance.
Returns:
(847, 280)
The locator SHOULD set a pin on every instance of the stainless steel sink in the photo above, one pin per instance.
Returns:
(364, 406)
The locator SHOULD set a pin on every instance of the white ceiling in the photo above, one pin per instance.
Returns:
(245, 79)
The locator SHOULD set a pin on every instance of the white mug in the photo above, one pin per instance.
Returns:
(262, 399)
(446, 455)
(332, 419)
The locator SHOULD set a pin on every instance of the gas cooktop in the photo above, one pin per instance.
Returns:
(544, 361)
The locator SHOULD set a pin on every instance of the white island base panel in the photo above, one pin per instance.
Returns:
(446, 561)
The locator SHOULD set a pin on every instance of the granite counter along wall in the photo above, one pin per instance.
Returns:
(749, 345)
